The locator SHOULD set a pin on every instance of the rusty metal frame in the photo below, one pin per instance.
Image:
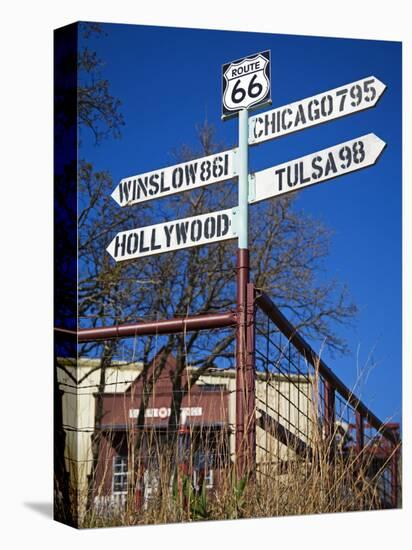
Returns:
(147, 328)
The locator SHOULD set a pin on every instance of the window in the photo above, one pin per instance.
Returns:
(119, 475)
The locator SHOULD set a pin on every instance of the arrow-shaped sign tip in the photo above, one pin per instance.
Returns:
(115, 196)
(380, 88)
(110, 249)
(378, 146)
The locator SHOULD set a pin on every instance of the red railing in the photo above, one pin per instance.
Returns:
(345, 420)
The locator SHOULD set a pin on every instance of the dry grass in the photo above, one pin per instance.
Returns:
(302, 485)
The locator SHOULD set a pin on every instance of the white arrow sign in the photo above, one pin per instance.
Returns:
(315, 168)
(174, 235)
(175, 179)
(314, 110)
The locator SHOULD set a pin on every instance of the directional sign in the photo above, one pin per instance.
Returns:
(174, 235)
(246, 83)
(317, 109)
(315, 168)
(175, 179)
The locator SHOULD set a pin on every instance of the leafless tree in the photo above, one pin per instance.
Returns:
(287, 250)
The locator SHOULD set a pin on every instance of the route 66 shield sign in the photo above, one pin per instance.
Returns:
(246, 83)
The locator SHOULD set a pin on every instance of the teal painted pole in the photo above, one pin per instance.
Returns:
(243, 180)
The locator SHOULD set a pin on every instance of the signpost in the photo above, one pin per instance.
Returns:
(175, 179)
(345, 100)
(174, 235)
(246, 83)
(315, 168)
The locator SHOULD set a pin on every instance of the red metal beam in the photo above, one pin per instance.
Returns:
(360, 432)
(146, 328)
(241, 354)
(395, 486)
(329, 409)
(250, 379)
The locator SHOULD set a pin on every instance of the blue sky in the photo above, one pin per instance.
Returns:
(168, 80)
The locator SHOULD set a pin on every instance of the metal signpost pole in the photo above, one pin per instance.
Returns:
(245, 85)
(250, 379)
(242, 281)
(243, 180)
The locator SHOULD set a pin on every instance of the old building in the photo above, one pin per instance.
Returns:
(135, 445)
(204, 434)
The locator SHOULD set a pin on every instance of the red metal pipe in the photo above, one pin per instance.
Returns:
(395, 471)
(169, 326)
(250, 379)
(360, 432)
(329, 409)
(241, 352)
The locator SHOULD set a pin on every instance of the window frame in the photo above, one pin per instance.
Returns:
(122, 474)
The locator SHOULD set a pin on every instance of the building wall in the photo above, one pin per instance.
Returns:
(288, 401)
(79, 409)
